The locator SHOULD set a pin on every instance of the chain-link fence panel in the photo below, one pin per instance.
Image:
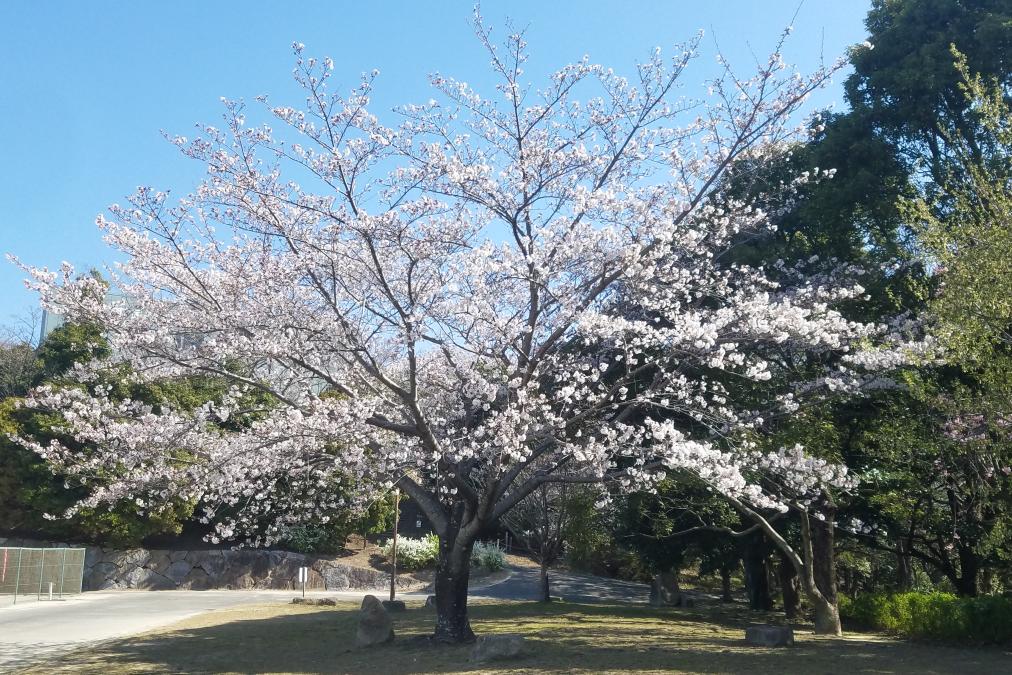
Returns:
(40, 573)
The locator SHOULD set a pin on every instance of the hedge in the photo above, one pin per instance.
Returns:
(937, 616)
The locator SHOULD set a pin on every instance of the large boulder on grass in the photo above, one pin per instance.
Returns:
(769, 636)
(498, 647)
(374, 624)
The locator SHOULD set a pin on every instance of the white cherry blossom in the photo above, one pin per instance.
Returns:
(533, 277)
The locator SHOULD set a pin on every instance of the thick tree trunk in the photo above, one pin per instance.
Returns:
(725, 584)
(827, 618)
(546, 594)
(452, 574)
(969, 567)
(790, 588)
(754, 560)
(965, 586)
(824, 556)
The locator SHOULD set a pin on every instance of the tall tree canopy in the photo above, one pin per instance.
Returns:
(906, 87)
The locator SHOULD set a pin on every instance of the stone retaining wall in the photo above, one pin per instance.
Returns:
(139, 568)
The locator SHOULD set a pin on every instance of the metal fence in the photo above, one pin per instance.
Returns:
(40, 573)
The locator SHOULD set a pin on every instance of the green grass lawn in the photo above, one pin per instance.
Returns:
(563, 637)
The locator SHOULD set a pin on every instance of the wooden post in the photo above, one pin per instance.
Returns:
(393, 551)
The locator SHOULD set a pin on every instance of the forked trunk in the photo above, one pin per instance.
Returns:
(546, 594)
(827, 613)
(452, 575)
(820, 587)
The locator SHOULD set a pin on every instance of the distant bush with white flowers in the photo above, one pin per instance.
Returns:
(416, 554)
(413, 554)
(488, 556)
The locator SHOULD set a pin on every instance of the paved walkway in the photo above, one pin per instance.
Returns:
(35, 630)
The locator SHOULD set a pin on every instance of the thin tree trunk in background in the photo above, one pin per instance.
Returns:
(725, 584)
(755, 560)
(545, 589)
(986, 585)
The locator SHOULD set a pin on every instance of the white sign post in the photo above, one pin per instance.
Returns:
(303, 577)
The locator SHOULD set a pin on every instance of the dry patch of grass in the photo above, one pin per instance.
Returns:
(564, 637)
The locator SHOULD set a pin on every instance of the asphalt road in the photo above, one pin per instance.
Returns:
(525, 584)
(34, 630)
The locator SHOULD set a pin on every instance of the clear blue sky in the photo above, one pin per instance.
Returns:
(86, 87)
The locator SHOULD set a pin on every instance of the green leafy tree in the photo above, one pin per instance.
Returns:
(69, 344)
(967, 225)
(936, 468)
(905, 87)
(19, 365)
(682, 522)
(31, 494)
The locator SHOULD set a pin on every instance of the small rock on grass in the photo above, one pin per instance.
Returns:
(394, 605)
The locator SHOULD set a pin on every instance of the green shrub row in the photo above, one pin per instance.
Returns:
(937, 616)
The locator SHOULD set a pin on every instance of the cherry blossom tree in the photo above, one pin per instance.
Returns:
(496, 293)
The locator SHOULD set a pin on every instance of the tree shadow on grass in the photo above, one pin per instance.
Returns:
(562, 637)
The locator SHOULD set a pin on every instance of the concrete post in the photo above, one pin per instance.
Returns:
(17, 579)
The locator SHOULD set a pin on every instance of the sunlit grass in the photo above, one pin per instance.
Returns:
(563, 637)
